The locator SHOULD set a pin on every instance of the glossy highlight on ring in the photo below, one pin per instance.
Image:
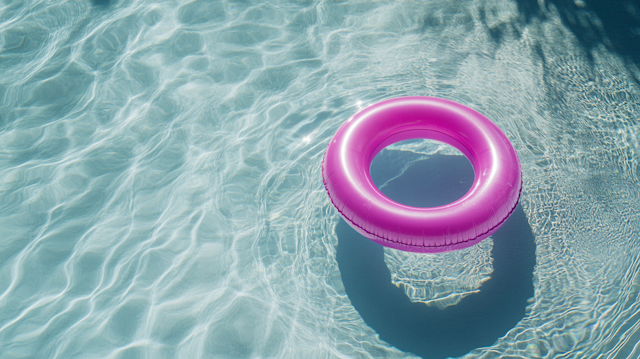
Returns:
(478, 214)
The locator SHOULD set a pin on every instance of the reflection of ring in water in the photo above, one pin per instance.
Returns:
(477, 320)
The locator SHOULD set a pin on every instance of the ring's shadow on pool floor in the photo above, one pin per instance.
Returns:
(479, 319)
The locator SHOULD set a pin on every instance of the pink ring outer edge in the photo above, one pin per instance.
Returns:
(455, 143)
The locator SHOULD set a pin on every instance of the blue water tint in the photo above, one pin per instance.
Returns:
(160, 182)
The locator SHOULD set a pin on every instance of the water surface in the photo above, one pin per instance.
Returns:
(160, 186)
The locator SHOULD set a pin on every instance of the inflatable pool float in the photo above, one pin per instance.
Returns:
(492, 197)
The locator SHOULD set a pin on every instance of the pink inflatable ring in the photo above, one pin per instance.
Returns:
(478, 214)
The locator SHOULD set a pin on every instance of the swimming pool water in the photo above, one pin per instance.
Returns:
(160, 186)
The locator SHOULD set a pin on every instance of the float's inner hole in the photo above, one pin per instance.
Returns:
(430, 173)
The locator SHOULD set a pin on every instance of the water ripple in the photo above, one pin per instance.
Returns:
(160, 186)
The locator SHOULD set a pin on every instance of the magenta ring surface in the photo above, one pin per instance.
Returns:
(492, 197)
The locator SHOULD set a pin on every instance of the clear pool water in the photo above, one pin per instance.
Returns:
(160, 187)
